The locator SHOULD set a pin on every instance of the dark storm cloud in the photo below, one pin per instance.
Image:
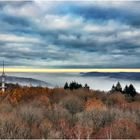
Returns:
(13, 20)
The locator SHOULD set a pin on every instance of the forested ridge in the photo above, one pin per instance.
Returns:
(74, 112)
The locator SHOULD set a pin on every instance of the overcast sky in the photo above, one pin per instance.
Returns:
(74, 34)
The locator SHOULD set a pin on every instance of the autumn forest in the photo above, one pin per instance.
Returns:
(69, 113)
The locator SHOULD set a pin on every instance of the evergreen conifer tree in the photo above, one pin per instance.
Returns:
(132, 90)
(66, 86)
(118, 87)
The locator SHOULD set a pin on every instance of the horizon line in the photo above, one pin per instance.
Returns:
(70, 70)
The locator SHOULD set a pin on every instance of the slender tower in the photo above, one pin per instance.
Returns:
(3, 78)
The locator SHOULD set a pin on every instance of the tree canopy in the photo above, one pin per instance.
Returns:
(75, 85)
(128, 90)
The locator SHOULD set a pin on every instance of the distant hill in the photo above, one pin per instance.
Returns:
(26, 81)
(118, 75)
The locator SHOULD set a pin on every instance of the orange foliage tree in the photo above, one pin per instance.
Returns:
(94, 104)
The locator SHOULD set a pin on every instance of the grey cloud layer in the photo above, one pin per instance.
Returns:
(70, 34)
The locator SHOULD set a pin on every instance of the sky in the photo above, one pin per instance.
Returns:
(70, 34)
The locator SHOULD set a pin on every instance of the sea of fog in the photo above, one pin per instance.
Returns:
(59, 79)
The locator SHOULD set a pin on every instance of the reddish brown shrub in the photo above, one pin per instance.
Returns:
(117, 99)
(72, 103)
(76, 132)
(94, 104)
(45, 128)
(119, 129)
(41, 101)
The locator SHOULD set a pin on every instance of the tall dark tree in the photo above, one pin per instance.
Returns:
(66, 86)
(132, 90)
(126, 90)
(129, 90)
(118, 87)
(113, 89)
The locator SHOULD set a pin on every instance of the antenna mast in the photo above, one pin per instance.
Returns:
(3, 66)
(3, 79)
